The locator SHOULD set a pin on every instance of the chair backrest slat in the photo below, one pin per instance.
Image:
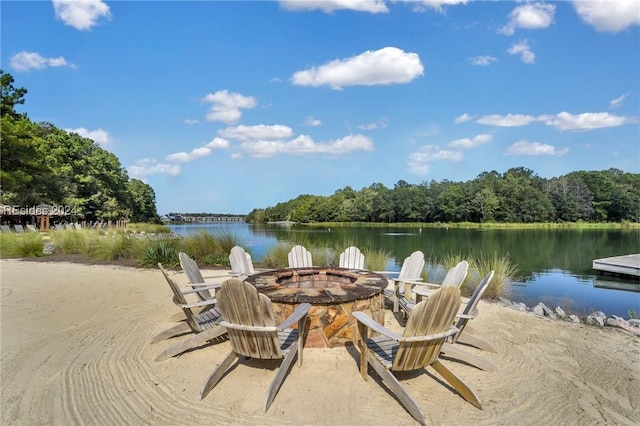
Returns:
(431, 316)
(473, 302)
(299, 257)
(412, 266)
(241, 262)
(178, 299)
(351, 258)
(240, 303)
(192, 271)
(456, 275)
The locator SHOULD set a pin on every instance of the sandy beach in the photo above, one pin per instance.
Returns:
(75, 350)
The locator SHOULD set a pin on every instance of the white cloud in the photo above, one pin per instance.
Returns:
(190, 121)
(463, 118)
(524, 50)
(381, 124)
(482, 60)
(608, 15)
(388, 65)
(81, 14)
(420, 160)
(328, 6)
(467, 143)
(149, 166)
(535, 148)
(588, 121)
(529, 16)
(194, 154)
(438, 5)
(617, 102)
(509, 120)
(218, 143)
(257, 132)
(27, 61)
(99, 136)
(310, 121)
(226, 106)
(303, 144)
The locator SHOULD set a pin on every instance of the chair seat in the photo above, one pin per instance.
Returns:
(384, 349)
(209, 318)
(287, 338)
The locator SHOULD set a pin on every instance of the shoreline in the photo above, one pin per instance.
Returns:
(75, 349)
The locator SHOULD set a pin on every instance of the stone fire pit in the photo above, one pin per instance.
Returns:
(333, 293)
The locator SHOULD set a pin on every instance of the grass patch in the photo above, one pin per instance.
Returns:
(149, 228)
(376, 259)
(504, 273)
(69, 241)
(110, 247)
(163, 251)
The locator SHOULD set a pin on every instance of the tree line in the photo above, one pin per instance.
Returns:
(41, 164)
(515, 196)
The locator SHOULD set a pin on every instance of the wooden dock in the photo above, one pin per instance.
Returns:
(628, 265)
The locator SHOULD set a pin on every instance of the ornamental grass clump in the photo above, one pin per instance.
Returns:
(277, 256)
(29, 244)
(376, 259)
(156, 251)
(504, 273)
(70, 241)
(110, 247)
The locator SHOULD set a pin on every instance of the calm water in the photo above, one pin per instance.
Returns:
(554, 265)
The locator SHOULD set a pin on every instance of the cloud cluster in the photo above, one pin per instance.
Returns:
(535, 148)
(226, 106)
(608, 15)
(329, 6)
(529, 16)
(388, 65)
(524, 50)
(562, 121)
(81, 14)
(27, 61)
(99, 136)
(420, 161)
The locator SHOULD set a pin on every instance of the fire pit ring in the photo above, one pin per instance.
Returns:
(333, 293)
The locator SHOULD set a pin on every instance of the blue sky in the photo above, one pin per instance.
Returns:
(229, 106)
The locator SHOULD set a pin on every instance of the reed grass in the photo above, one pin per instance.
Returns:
(163, 251)
(29, 244)
(376, 259)
(277, 256)
(149, 228)
(71, 241)
(505, 272)
(110, 247)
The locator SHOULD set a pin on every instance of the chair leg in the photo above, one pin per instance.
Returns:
(284, 368)
(173, 331)
(471, 340)
(454, 351)
(464, 390)
(190, 343)
(217, 374)
(398, 390)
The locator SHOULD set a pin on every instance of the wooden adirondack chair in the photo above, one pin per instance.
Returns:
(248, 318)
(471, 311)
(241, 263)
(299, 257)
(428, 326)
(455, 277)
(411, 270)
(351, 258)
(203, 324)
(196, 280)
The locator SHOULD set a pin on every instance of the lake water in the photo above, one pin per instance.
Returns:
(555, 266)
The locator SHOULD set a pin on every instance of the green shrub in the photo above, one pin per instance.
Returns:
(149, 228)
(163, 251)
(277, 256)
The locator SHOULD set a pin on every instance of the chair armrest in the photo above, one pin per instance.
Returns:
(201, 288)
(467, 316)
(212, 285)
(450, 332)
(296, 315)
(202, 303)
(373, 325)
(406, 281)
